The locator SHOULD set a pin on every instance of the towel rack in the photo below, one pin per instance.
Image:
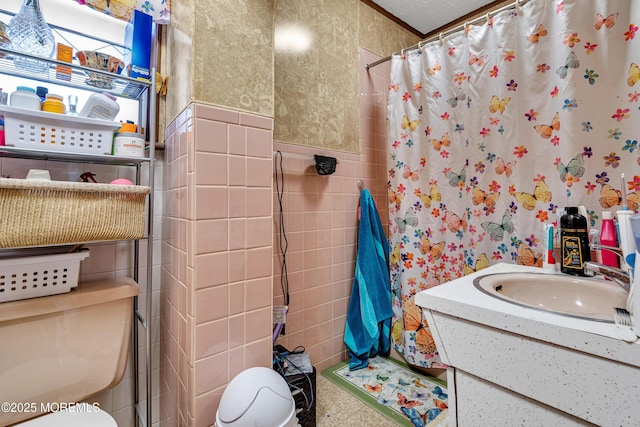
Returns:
(298, 156)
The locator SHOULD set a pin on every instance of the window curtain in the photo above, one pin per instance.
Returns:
(494, 130)
(160, 10)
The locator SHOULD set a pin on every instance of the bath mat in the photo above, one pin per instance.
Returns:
(391, 388)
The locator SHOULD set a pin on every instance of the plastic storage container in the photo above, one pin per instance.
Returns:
(128, 144)
(41, 130)
(38, 276)
(608, 238)
(25, 97)
(574, 242)
(128, 126)
(100, 106)
(53, 104)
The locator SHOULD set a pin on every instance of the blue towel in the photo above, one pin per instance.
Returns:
(368, 328)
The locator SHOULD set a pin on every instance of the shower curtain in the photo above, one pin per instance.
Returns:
(494, 130)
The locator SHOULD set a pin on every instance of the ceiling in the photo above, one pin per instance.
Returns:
(426, 16)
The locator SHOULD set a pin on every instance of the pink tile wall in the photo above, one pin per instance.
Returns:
(320, 218)
(216, 299)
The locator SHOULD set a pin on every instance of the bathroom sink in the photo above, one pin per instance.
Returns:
(591, 299)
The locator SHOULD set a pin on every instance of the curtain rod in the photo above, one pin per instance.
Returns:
(515, 5)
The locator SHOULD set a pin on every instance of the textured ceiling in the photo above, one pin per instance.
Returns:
(428, 15)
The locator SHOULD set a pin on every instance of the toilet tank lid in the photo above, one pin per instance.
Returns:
(87, 293)
(94, 418)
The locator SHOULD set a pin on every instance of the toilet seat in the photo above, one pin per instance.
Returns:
(99, 418)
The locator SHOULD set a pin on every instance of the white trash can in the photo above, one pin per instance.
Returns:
(257, 397)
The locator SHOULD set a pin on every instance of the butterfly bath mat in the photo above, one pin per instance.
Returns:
(404, 396)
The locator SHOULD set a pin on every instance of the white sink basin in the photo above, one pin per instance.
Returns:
(590, 299)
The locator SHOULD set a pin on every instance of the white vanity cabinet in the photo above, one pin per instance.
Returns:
(482, 403)
(511, 365)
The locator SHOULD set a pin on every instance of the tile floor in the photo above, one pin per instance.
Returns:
(337, 408)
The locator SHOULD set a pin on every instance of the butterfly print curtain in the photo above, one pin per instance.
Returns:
(494, 130)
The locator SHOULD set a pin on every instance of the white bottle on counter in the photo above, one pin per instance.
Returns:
(100, 106)
(633, 300)
(627, 243)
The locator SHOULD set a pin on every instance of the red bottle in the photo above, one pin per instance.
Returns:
(608, 238)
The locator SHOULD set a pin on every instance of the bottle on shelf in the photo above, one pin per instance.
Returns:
(100, 106)
(25, 97)
(42, 92)
(53, 104)
(73, 104)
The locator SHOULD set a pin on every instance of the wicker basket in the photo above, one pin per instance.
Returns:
(36, 213)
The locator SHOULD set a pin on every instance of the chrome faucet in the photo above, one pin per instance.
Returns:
(617, 275)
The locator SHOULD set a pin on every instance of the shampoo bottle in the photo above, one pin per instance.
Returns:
(608, 238)
(574, 242)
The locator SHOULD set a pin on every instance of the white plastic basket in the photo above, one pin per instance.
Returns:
(41, 130)
(38, 276)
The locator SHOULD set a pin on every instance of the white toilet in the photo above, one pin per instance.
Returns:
(99, 418)
(61, 349)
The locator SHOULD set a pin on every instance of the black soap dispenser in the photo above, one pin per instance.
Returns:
(574, 242)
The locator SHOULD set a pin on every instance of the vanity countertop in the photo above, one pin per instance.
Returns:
(460, 298)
